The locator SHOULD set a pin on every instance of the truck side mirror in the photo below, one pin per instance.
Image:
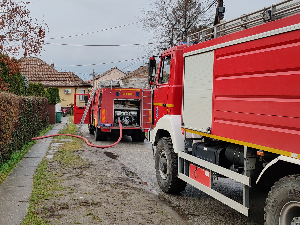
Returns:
(151, 70)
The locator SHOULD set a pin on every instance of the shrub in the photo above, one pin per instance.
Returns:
(21, 119)
(36, 89)
(9, 114)
(52, 94)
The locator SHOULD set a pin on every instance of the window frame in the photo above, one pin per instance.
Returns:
(162, 76)
(81, 97)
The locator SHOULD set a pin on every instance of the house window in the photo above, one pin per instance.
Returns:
(81, 97)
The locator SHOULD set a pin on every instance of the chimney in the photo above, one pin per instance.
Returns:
(52, 65)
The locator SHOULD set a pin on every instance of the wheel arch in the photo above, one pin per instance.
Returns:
(279, 167)
(169, 126)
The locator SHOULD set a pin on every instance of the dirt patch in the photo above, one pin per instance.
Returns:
(101, 190)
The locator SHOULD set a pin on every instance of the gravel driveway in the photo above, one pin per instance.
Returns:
(197, 206)
(91, 186)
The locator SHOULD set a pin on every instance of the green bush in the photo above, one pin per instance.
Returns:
(52, 94)
(36, 89)
(21, 119)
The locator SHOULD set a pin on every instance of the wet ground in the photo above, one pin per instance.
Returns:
(95, 188)
(137, 160)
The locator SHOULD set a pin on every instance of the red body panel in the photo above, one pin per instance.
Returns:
(256, 98)
(200, 175)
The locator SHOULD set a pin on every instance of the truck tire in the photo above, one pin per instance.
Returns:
(283, 202)
(138, 136)
(166, 166)
(100, 136)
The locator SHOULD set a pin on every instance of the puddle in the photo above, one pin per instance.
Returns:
(111, 155)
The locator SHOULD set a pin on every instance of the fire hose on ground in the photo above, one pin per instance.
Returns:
(87, 142)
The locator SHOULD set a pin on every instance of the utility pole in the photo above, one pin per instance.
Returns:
(219, 12)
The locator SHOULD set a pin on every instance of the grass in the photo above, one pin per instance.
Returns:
(47, 184)
(44, 187)
(65, 153)
(66, 157)
(15, 158)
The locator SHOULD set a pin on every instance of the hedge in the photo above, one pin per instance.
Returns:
(36, 89)
(21, 119)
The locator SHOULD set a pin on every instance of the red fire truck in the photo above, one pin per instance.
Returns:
(111, 103)
(229, 106)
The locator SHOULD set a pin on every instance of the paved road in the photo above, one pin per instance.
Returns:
(196, 205)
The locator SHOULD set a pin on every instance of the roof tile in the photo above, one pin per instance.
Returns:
(38, 71)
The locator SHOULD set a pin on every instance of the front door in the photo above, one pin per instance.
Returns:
(160, 99)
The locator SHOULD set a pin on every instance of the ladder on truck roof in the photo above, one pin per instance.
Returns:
(267, 14)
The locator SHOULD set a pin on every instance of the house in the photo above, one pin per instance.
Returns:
(67, 82)
(112, 74)
(137, 78)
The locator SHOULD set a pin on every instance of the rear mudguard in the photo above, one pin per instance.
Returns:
(276, 160)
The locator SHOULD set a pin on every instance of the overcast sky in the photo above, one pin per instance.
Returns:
(75, 17)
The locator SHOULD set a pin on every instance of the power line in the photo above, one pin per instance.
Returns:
(131, 64)
(96, 45)
(93, 32)
(95, 64)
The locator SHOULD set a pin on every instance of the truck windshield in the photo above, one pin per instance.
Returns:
(165, 70)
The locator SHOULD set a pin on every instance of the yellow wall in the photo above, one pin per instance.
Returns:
(69, 98)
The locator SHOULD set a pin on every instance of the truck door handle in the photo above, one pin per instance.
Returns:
(164, 105)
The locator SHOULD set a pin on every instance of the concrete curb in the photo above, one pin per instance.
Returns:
(16, 189)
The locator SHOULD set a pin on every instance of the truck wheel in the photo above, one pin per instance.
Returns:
(138, 136)
(166, 166)
(283, 202)
(100, 136)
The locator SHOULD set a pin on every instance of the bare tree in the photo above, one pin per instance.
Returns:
(171, 21)
(19, 32)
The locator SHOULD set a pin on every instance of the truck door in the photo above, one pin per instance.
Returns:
(162, 88)
(80, 102)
